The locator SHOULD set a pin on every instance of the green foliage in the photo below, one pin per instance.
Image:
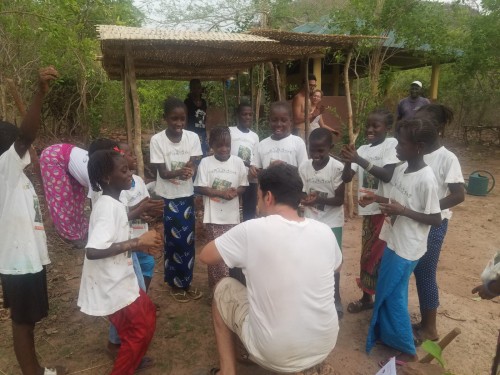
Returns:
(60, 33)
(435, 350)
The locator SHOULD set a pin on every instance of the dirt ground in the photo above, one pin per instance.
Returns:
(184, 341)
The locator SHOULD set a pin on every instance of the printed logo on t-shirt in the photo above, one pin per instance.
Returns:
(320, 194)
(244, 153)
(220, 184)
(199, 121)
(370, 181)
(174, 166)
(38, 223)
(137, 227)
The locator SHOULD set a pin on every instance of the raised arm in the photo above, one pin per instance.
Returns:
(31, 121)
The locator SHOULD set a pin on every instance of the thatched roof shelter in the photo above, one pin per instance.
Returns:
(181, 54)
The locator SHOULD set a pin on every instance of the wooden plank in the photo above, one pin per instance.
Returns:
(130, 71)
(128, 109)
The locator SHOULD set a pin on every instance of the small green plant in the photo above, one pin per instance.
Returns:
(435, 350)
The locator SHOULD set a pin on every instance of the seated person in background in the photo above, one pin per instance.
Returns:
(286, 317)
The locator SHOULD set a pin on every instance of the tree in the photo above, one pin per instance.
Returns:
(61, 33)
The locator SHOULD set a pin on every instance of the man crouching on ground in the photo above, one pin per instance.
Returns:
(286, 316)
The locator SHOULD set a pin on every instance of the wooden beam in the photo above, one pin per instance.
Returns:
(435, 81)
(307, 100)
(130, 70)
(282, 72)
(317, 71)
(226, 109)
(128, 108)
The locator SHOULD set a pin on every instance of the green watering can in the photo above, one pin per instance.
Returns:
(478, 183)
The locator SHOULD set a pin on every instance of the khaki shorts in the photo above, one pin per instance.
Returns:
(230, 297)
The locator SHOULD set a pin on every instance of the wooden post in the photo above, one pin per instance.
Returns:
(435, 81)
(239, 88)
(258, 95)
(252, 88)
(350, 126)
(317, 71)
(307, 100)
(336, 79)
(278, 81)
(130, 71)
(128, 108)
(282, 72)
(224, 94)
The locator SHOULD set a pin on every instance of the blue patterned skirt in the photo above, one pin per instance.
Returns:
(179, 250)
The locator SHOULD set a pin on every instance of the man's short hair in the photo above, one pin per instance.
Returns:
(310, 77)
(284, 182)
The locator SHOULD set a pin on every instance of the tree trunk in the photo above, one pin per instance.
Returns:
(350, 127)
(129, 63)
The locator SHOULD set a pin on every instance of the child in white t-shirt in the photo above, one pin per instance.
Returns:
(138, 195)
(322, 178)
(411, 207)
(281, 146)
(23, 243)
(109, 284)
(451, 192)
(374, 163)
(221, 179)
(243, 144)
(175, 152)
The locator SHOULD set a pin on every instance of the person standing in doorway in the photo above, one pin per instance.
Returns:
(197, 113)
(408, 106)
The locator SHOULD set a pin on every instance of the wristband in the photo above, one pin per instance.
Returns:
(369, 167)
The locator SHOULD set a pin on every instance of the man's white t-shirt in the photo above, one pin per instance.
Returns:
(292, 323)
(221, 175)
(419, 192)
(174, 156)
(379, 155)
(291, 150)
(107, 284)
(23, 243)
(447, 170)
(243, 145)
(324, 182)
(130, 198)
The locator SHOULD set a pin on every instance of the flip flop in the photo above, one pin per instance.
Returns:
(194, 293)
(418, 339)
(146, 362)
(398, 362)
(358, 306)
(180, 296)
(213, 371)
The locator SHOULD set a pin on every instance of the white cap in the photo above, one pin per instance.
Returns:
(418, 83)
